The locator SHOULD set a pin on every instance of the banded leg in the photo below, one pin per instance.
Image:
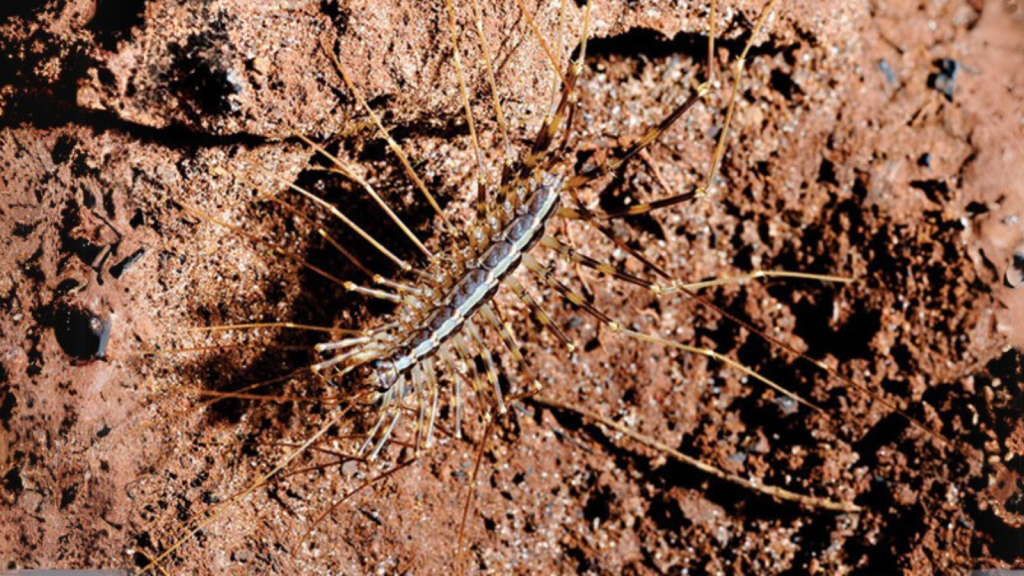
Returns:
(458, 377)
(491, 368)
(542, 314)
(675, 286)
(434, 390)
(493, 315)
(651, 136)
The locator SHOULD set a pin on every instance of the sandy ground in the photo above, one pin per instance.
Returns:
(880, 142)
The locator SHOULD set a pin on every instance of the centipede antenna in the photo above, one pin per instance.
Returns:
(256, 325)
(392, 144)
(542, 314)
(212, 401)
(492, 314)
(488, 66)
(344, 170)
(275, 398)
(355, 227)
(195, 525)
(192, 349)
(737, 80)
(491, 369)
(756, 486)
(481, 180)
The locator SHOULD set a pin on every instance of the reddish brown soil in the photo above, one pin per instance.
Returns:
(845, 159)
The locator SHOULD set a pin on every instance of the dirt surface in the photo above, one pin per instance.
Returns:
(877, 142)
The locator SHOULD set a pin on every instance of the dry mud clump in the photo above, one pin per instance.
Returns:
(879, 141)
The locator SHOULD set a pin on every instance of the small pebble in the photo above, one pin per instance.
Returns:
(1014, 276)
(944, 80)
(886, 69)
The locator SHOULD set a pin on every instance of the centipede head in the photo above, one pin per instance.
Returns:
(379, 375)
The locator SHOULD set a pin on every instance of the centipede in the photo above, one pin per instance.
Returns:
(433, 364)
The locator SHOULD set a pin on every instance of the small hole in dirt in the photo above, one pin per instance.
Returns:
(80, 333)
(827, 172)
(12, 481)
(598, 506)
(22, 8)
(67, 496)
(114, 20)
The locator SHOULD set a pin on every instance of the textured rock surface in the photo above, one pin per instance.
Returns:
(118, 116)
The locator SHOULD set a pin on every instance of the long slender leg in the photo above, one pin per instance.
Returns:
(392, 144)
(458, 377)
(493, 315)
(773, 491)
(386, 403)
(359, 356)
(546, 275)
(371, 292)
(551, 125)
(355, 227)
(491, 368)
(542, 314)
(341, 168)
(481, 179)
(434, 389)
(607, 269)
(419, 386)
(741, 63)
(495, 101)
(651, 136)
